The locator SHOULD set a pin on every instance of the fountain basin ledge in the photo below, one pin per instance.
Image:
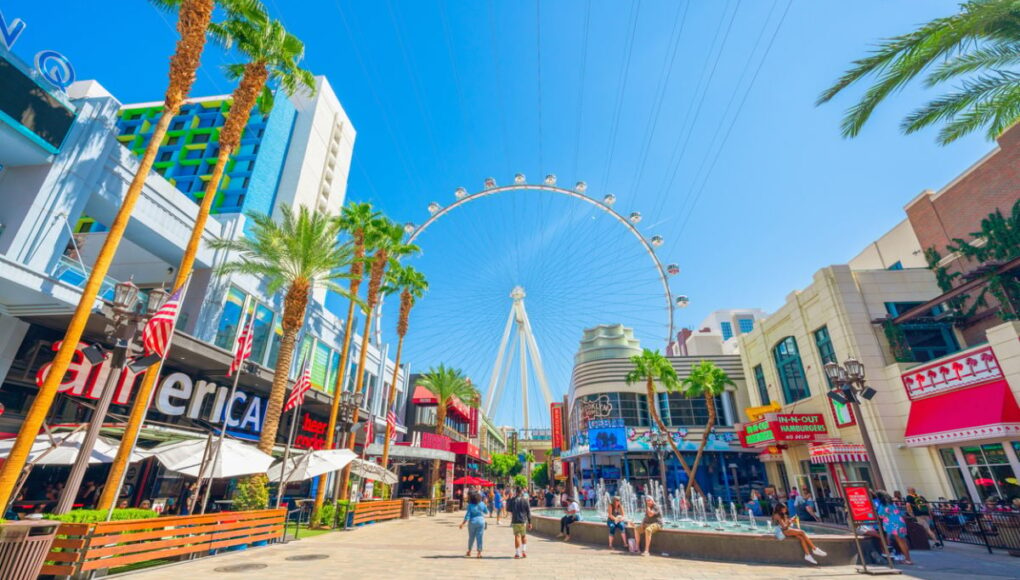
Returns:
(707, 544)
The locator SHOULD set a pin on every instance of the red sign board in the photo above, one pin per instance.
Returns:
(556, 414)
(858, 500)
(778, 427)
(965, 369)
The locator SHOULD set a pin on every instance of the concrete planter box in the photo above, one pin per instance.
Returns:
(709, 544)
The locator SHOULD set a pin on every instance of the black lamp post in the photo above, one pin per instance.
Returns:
(659, 442)
(349, 403)
(848, 389)
(125, 320)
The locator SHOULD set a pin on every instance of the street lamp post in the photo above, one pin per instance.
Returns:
(659, 442)
(848, 389)
(124, 324)
(349, 402)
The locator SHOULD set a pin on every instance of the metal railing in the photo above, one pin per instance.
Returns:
(993, 529)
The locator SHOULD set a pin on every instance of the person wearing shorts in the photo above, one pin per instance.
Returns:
(520, 522)
(616, 521)
(651, 523)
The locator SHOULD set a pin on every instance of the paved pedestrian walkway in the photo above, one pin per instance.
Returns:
(425, 547)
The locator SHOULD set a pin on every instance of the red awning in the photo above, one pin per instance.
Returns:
(423, 396)
(837, 452)
(983, 412)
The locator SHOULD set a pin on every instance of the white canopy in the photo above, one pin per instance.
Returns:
(373, 471)
(234, 459)
(312, 464)
(62, 449)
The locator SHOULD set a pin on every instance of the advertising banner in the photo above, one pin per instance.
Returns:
(556, 416)
(858, 500)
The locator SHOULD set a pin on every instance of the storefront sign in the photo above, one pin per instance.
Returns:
(597, 408)
(84, 379)
(179, 396)
(966, 369)
(311, 433)
(842, 413)
(858, 500)
(777, 427)
(556, 417)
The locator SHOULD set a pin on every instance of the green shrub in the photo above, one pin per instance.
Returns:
(96, 516)
(252, 493)
(520, 481)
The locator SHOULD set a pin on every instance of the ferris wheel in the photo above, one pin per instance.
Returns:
(572, 257)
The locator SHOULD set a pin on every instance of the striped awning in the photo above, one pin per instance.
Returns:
(838, 452)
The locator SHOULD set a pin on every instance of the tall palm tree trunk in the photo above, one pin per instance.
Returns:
(359, 387)
(294, 304)
(390, 399)
(654, 410)
(440, 428)
(193, 20)
(710, 424)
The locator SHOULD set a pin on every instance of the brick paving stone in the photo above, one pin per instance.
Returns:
(433, 547)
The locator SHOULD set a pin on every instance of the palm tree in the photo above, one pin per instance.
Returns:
(412, 285)
(387, 240)
(357, 220)
(651, 366)
(446, 383)
(273, 55)
(709, 381)
(979, 48)
(193, 17)
(296, 254)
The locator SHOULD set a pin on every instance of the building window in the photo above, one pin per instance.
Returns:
(200, 138)
(898, 265)
(129, 130)
(177, 125)
(261, 331)
(926, 336)
(166, 156)
(173, 140)
(226, 333)
(791, 370)
(687, 412)
(990, 471)
(727, 330)
(745, 325)
(825, 350)
(953, 473)
(633, 409)
(763, 389)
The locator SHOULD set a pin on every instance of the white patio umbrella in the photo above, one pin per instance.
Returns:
(62, 449)
(373, 471)
(234, 459)
(312, 464)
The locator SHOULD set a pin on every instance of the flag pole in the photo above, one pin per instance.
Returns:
(158, 369)
(203, 466)
(293, 428)
(229, 405)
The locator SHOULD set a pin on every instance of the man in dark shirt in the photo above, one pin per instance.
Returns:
(550, 497)
(917, 506)
(520, 522)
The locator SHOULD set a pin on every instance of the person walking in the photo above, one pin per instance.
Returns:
(497, 504)
(617, 521)
(573, 515)
(917, 508)
(474, 517)
(781, 522)
(892, 522)
(520, 522)
(651, 523)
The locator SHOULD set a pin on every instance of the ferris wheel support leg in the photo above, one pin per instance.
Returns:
(490, 398)
(524, 376)
(507, 365)
(536, 361)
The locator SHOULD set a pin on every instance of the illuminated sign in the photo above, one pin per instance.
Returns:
(783, 427)
(556, 415)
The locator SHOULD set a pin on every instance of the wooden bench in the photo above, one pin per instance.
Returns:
(376, 511)
(81, 548)
(425, 506)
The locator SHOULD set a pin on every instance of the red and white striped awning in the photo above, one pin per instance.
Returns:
(838, 452)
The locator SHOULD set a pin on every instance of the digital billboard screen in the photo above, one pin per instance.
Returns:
(29, 105)
(614, 439)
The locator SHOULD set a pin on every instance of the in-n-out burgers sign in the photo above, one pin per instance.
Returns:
(178, 395)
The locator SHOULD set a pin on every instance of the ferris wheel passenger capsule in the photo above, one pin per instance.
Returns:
(581, 187)
(490, 183)
(409, 227)
(609, 199)
(683, 301)
(519, 179)
(550, 179)
(657, 241)
(460, 193)
(434, 207)
(673, 269)
(635, 217)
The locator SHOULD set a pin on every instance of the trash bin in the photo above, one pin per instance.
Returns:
(24, 546)
(406, 509)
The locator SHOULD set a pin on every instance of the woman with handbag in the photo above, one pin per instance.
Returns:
(474, 517)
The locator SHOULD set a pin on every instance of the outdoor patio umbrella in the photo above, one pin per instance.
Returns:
(62, 449)
(234, 459)
(312, 464)
(373, 471)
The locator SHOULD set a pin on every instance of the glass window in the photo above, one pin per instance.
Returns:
(200, 138)
(990, 470)
(274, 346)
(173, 140)
(825, 350)
(307, 343)
(634, 409)
(926, 336)
(129, 130)
(953, 473)
(745, 325)
(194, 154)
(685, 412)
(791, 370)
(176, 125)
(759, 381)
(263, 322)
(226, 333)
(320, 366)
(727, 330)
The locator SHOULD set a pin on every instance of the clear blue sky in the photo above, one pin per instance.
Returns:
(446, 94)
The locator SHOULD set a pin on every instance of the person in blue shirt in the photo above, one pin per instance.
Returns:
(474, 517)
(497, 504)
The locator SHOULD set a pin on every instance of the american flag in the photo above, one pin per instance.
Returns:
(391, 423)
(244, 343)
(297, 395)
(160, 329)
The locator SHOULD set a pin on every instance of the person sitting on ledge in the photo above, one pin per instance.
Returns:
(651, 523)
(573, 515)
(781, 521)
(616, 521)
